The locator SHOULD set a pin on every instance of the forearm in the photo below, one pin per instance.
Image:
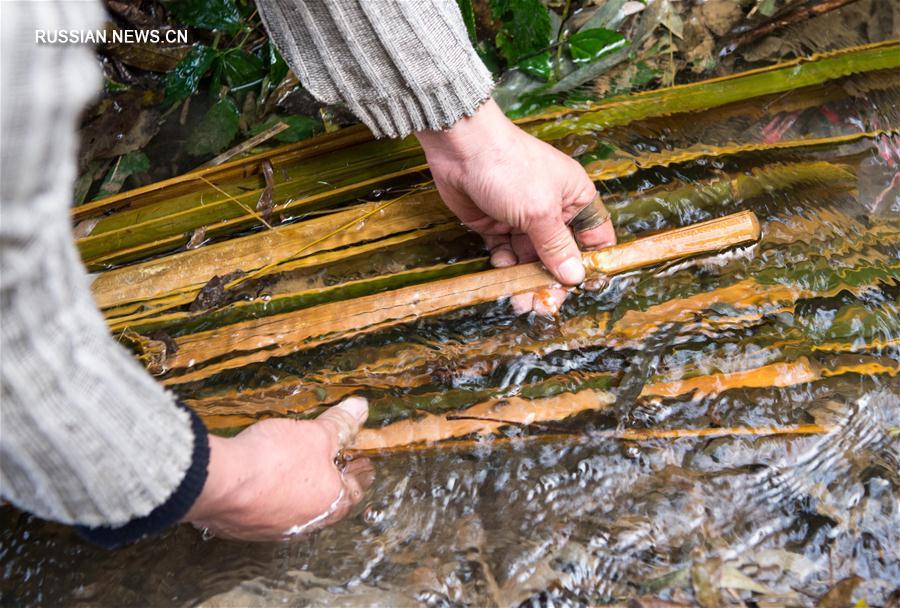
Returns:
(399, 66)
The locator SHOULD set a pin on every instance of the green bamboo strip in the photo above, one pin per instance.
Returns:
(132, 235)
(791, 75)
(239, 169)
(611, 169)
(283, 334)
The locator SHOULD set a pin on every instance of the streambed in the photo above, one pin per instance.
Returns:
(801, 328)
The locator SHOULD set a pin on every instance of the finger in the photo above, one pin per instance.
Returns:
(502, 254)
(557, 249)
(603, 235)
(523, 248)
(522, 303)
(345, 419)
(547, 302)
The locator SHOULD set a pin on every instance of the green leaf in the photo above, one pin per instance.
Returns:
(299, 127)
(241, 69)
(539, 66)
(525, 27)
(278, 68)
(182, 82)
(590, 45)
(601, 151)
(468, 14)
(126, 165)
(216, 130)
(208, 14)
(643, 75)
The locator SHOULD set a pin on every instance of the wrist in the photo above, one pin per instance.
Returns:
(468, 137)
(223, 477)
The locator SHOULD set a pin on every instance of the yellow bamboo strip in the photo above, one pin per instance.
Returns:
(624, 435)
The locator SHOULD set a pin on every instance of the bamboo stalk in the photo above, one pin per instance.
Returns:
(282, 334)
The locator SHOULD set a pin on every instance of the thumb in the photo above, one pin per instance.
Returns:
(345, 419)
(557, 249)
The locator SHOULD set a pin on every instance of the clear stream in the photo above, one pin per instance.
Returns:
(579, 520)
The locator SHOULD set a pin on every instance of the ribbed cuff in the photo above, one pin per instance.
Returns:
(435, 109)
(170, 512)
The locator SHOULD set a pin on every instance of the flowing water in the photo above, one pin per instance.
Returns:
(801, 328)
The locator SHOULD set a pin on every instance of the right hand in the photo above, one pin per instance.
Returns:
(278, 477)
(518, 192)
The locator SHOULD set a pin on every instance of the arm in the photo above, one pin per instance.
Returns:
(87, 438)
(405, 67)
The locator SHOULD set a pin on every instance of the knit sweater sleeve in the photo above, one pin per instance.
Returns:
(86, 436)
(400, 66)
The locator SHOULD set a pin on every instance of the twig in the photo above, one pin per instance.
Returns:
(778, 23)
(246, 145)
(237, 202)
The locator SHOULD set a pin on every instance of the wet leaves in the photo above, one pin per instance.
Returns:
(221, 15)
(216, 130)
(184, 80)
(589, 45)
(124, 167)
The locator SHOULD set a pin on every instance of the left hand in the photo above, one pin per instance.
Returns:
(519, 193)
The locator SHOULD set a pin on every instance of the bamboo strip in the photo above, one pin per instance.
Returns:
(636, 435)
(496, 414)
(192, 269)
(611, 169)
(282, 334)
(787, 76)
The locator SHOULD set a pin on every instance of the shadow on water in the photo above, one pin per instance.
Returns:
(804, 329)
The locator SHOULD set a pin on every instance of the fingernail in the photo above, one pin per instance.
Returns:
(357, 407)
(571, 271)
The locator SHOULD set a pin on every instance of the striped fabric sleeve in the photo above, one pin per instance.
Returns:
(399, 65)
(87, 437)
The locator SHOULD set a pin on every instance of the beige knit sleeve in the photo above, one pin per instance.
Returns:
(399, 65)
(86, 436)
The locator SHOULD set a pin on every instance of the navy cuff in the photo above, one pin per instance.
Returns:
(170, 512)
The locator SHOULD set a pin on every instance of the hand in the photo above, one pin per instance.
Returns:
(278, 477)
(517, 192)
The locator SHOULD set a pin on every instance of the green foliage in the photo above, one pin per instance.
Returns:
(183, 81)
(299, 127)
(278, 67)
(589, 45)
(216, 130)
(220, 15)
(125, 166)
(241, 69)
(468, 14)
(539, 66)
(525, 28)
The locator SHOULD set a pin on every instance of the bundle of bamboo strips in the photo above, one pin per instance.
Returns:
(307, 274)
(253, 341)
